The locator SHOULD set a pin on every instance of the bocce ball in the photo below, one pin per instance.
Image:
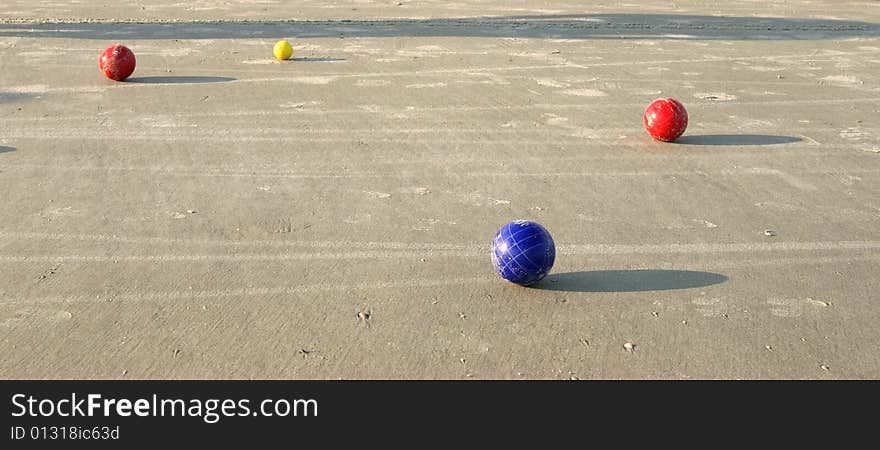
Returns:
(523, 252)
(283, 50)
(117, 62)
(666, 119)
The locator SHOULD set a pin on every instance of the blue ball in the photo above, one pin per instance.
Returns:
(523, 252)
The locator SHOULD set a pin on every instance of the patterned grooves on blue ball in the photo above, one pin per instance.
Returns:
(518, 263)
(524, 253)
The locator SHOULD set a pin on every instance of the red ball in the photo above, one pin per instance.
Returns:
(117, 62)
(666, 119)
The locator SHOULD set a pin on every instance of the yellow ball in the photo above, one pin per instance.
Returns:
(283, 50)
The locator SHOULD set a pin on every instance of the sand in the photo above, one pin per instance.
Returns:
(226, 215)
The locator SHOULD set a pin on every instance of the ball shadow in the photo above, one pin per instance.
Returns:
(5, 149)
(736, 139)
(629, 280)
(316, 59)
(178, 80)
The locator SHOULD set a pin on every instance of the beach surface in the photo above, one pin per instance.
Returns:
(224, 215)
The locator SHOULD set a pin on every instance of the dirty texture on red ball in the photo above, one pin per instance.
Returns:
(117, 62)
(666, 119)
